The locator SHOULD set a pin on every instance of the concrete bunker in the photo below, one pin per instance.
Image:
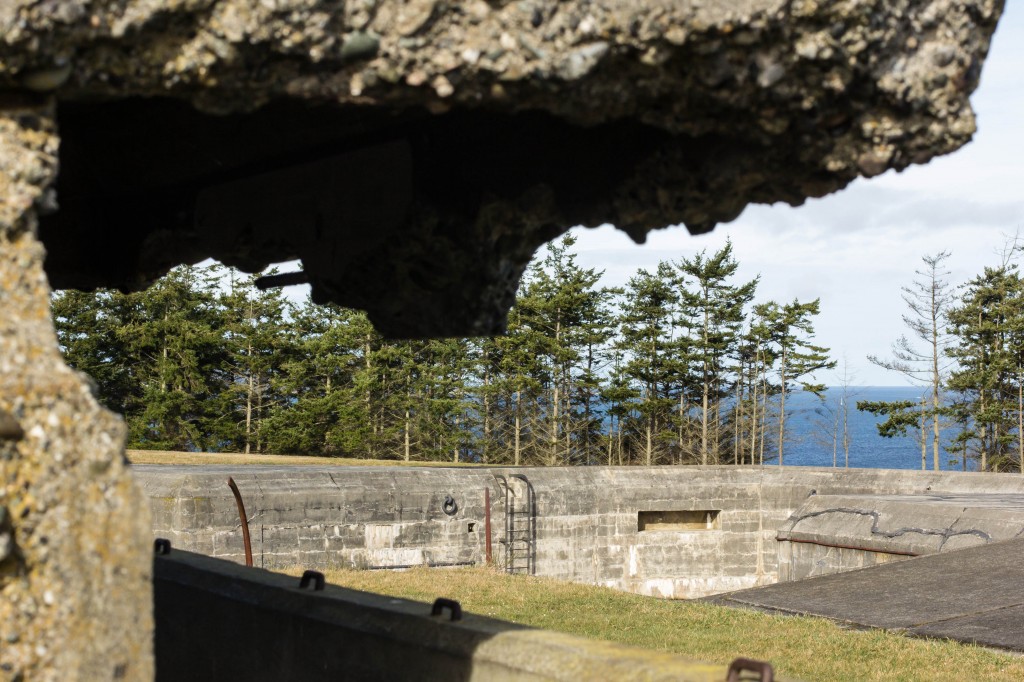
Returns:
(670, 112)
(703, 530)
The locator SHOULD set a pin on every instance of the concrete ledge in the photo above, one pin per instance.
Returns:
(833, 533)
(218, 620)
(906, 524)
(971, 595)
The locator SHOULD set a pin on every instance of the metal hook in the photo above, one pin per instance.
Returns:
(442, 603)
(316, 577)
(762, 668)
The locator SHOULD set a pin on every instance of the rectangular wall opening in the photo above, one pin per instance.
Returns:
(690, 519)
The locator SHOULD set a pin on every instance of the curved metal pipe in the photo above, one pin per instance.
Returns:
(245, 521)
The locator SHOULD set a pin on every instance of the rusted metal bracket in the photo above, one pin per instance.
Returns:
(762, 668)
(245, 521)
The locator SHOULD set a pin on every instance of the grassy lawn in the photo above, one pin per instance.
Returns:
(168, 457)
(810, 649)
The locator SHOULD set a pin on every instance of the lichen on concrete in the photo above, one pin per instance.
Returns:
(74, 566)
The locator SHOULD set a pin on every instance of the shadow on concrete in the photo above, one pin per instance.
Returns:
(217, 620)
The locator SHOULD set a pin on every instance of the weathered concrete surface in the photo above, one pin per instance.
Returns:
(75, 599)
(587, 521)
(450, 140)
(970, 595)
(832, 533)
(216, 620)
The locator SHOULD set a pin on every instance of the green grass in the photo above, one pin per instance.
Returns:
(803, 648)
(192, 458)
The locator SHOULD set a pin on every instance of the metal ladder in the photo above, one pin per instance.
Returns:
(520, 524)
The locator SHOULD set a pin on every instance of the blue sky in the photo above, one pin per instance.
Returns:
(856, 248)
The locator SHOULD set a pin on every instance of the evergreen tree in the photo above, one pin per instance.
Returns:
(321, 411)
(170, 333)
(928, 300)
(87, 325)
(790, 328)
(647, 337)
(715, 308)
(986, 325)
(254, 327)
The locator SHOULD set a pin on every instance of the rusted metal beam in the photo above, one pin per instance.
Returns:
(244, 519)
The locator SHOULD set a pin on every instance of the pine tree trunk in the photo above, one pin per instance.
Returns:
(408, 429)
(487, 414)
(586, 405)
(753, 411)
(682, 421)
(936, 381)
(764, 418)
(566, 417)
(846, 431)
(716, 432)
(249, 400)
(650, 440)
(737, 414)
(259, 413)
(1020, 418)
(619, 436)
(455, 450)
(835, 440)
(371, 449)
(553, 437)
(611, 435)
(516, 450)
(782, 404)
(924, 442)
(163, 353)
(982, 435)
(704, 418)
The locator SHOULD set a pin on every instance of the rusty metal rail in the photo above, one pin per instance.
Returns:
(244, 519)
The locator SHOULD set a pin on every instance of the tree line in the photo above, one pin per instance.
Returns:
(965, 347)
(682, 365)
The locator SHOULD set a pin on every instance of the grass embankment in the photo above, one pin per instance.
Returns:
(811, 649)
(169, 457)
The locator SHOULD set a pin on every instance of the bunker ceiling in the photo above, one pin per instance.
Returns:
(415, 154)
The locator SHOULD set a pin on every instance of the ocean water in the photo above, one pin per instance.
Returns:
(809, 426)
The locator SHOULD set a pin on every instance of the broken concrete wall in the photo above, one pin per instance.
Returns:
(74, 534)
(414, 154)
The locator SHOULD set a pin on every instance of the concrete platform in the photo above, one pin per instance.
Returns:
(970, 595)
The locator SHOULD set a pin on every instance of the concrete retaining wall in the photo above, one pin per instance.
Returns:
(587, 520)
